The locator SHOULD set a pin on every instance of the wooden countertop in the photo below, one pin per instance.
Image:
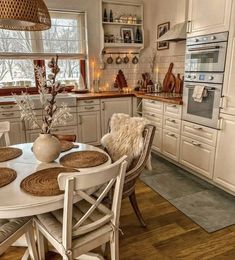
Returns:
(163, 97)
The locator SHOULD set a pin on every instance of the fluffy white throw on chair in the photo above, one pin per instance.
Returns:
(125, 138)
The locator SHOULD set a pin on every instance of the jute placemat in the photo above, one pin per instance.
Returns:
(83, 159)
(7, 176)
(44, 182)
(9, 153)
(66, 146)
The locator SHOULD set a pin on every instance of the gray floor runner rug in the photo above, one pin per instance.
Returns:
(205, 204)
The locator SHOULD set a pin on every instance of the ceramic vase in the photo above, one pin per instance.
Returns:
(46, 148)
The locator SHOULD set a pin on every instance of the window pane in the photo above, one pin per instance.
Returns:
(18, 73)
(15, 41)
(65, 35)
(69, 71)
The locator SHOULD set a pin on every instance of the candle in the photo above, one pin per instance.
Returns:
(93, 70)
(157, 71)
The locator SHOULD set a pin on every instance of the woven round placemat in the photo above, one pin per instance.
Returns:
(66, 146)
(9, 153)
(83, 159)
(7, 176)
(44, 182)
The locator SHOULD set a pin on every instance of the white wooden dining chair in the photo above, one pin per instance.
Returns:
(4, 131)
(87, 224)
(12, 229)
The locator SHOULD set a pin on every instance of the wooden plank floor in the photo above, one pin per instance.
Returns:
(169, 234)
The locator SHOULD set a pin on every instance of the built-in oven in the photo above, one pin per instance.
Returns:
(205, 112)
(204, 73)
(206, 53)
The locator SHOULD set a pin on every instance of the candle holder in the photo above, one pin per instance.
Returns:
(96, 84)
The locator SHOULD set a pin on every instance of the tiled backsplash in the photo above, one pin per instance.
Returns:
(133, 72)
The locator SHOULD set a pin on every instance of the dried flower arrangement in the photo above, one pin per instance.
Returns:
(48, 90)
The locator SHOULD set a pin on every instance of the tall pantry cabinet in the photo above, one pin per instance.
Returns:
(224, 173)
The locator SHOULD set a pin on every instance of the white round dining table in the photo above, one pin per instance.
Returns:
(14, 202)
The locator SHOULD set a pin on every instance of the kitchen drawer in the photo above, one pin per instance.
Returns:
(172, 124)
(199, 133)
(154, 118)
(171, 144)
(197, 156)
(173, 110)
(88, 102)
(152, 105)
(9, 114)
(157, 140)
(9, 108)
(88, 108)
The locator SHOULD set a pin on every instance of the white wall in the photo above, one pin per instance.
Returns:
(155, 12)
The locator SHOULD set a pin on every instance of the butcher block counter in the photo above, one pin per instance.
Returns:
(163, 97)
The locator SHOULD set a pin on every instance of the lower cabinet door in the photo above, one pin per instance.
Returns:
(157, 140)
(224, 173)
(170, 144)
(17, 133)
(197, 156)
(89, 128)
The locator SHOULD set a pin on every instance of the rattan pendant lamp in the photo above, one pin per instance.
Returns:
(24, 15)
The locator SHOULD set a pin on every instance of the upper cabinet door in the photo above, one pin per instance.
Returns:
(208, 16)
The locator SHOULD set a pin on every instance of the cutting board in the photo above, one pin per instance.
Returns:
(179, 84)
(169, 80)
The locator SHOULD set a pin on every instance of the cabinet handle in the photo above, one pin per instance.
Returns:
(103, 106)
(88, 101)
(174, 106)
(7, 107)
(89, 108)
(198, 128)
(7, 114)
(189, 26)
(171, 120)
(170, 134)
(152, 101)
(79, 120)
(224, 102)
(196, 143)
(221, 124)
(153, 115)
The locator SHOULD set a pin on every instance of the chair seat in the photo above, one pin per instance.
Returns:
(9, 226)
(53, 222)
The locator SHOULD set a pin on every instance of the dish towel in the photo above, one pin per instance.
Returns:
(198, 93)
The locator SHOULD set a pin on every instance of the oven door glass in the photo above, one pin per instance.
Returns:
(207, 57)
(203, 109)
(205, 112)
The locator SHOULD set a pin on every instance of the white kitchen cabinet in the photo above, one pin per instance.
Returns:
(157, 140)
(17, 133)
(89, 127)
(208, 16)
(197, 156)
(228, 104)
(11, 114)
(110, 106)
(224, 161)
(171, 144)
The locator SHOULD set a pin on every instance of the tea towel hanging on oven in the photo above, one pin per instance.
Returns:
(198, 93)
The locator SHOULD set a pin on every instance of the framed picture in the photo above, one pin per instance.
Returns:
(127, 35)
(161, 30)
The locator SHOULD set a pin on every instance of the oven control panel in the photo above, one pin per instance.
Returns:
(205, 77)
(210, 38)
